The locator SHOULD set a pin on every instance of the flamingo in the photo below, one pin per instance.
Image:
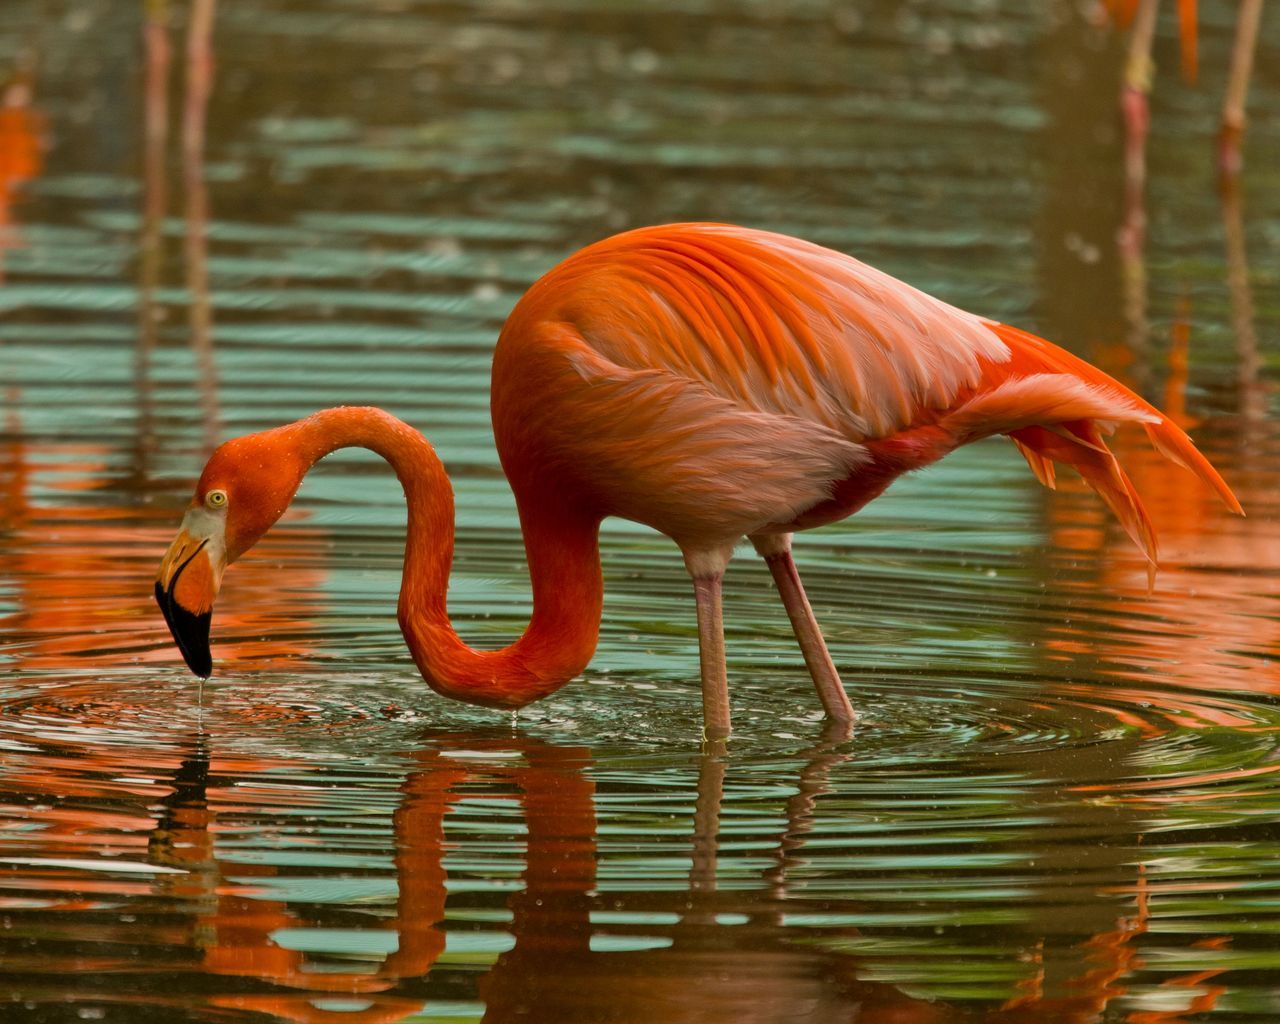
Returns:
(710, 381)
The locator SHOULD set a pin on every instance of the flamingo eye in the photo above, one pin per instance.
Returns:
(215, 499)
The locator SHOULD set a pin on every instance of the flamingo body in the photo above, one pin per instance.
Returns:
(714, 383)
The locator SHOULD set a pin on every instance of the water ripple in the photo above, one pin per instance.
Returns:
(1058, 803)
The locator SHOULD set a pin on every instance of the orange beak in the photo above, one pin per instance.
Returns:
(186, 585)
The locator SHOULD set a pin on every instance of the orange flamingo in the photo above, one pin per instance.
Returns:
(712, 382)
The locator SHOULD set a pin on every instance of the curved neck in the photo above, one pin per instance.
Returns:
(561, 544)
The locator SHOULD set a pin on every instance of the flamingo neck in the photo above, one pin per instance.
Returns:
(561, 545)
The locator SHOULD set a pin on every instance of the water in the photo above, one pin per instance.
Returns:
(1060, 802)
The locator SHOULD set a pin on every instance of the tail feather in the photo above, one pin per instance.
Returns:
(1046, 399)
(1041, 465)
(1056, 408)
(1169, 440)
(1101, 471)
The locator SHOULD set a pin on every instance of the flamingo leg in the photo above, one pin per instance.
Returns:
(776, 550)
(715, 678)
(1135, 108)
(1233, 106)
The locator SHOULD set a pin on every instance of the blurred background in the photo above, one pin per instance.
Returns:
(217, 216)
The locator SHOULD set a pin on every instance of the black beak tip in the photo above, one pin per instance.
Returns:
(190, 633)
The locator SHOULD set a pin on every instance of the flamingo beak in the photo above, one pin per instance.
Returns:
(187, 583)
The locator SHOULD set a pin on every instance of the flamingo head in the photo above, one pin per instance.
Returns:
(245, 487)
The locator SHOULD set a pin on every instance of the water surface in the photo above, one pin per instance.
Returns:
(1060, 802)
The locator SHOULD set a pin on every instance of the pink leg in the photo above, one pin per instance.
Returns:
(776, 550)
(715, 679)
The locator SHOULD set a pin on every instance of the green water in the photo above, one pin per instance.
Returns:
(1060, 802)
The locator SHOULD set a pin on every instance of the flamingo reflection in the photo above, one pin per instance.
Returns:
(580, 952)
(562, 965)
(552, 971)
(21, 148)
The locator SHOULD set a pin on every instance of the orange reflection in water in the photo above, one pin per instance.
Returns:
(221, 919)
(22, 131)
(1212, 620)
(557, 800)
(235, 935)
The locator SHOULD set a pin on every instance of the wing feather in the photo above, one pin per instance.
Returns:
(665, 450)
(772, 323)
